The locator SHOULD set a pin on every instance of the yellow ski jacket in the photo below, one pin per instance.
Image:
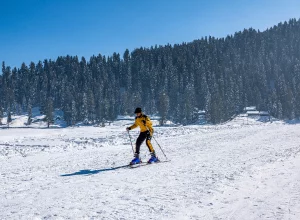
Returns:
(144, 123)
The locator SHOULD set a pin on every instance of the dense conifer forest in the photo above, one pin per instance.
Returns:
(218, 75)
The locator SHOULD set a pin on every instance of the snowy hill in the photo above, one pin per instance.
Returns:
(20, 121)
(232, 171)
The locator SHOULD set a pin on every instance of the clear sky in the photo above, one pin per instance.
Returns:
(33, 30)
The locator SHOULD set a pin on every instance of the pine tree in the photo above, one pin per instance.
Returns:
(9, 119)
(1, 115)
(163, 107)
(49, 112)
(84, 109)
(29, 113)
(208, 107)
(74, 113)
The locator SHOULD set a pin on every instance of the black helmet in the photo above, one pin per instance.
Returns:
(138, 110)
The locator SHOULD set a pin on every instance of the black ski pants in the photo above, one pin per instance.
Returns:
(142, 137)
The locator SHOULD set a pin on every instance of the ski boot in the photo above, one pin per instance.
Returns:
(136, 160)
(153, 158)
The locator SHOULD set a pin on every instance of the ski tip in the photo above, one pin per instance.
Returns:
(165, 161)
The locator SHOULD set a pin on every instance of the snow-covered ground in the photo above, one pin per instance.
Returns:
(20, 121)
(238, 170)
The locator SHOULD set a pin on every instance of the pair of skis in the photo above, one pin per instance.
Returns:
(146, 163)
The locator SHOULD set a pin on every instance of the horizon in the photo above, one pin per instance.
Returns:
(54, 29)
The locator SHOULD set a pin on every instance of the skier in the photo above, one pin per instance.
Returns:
(145, 124)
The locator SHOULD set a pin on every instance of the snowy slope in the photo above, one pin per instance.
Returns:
(20, 121)
(230, 171)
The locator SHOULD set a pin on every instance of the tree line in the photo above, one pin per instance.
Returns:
(218, 75)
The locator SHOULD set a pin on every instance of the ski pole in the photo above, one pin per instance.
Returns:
(161, 148)
(158, 144)
(131, 142)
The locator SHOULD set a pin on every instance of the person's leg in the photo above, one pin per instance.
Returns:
(153, 158)
(139, 142)
(149, 145)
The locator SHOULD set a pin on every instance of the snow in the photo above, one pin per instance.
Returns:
(125, 117)
(252, 112)
(20, 121)
(250, 108)
(201, 112)
(264, 113)
(232, 171)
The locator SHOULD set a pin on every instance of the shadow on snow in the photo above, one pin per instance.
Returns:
(91, 172)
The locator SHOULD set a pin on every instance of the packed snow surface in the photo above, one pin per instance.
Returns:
(238, 170)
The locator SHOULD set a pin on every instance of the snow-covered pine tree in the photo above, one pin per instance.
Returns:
(163, 110)
(49, 112)
(1, 114)
(29, 110)
(74, 113)
(9, 119)
(84, 109)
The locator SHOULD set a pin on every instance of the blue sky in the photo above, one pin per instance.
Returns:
(34, 30)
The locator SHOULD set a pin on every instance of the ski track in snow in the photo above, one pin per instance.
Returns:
(230, 171)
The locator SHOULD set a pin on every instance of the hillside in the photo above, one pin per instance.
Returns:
(218, 75)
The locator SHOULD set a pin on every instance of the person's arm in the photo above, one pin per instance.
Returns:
(132, 126)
